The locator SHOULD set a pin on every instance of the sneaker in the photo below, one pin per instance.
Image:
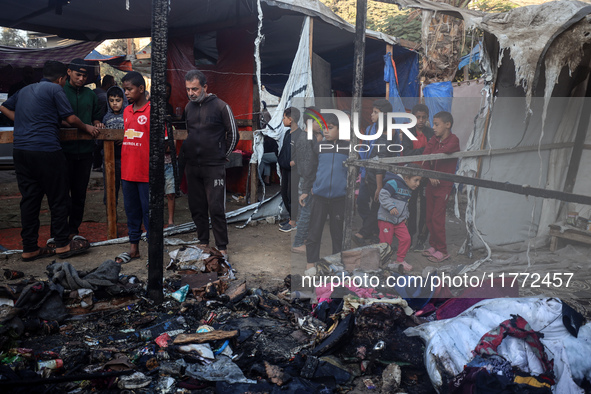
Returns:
(299, 249)
(286, 228)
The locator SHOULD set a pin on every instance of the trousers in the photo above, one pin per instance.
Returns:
(207, 198)
(39, 174)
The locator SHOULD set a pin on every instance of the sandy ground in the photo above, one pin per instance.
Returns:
(259, 253)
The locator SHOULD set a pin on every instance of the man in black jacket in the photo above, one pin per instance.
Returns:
(212, 136)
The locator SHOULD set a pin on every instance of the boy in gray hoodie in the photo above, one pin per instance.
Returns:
(393, 212)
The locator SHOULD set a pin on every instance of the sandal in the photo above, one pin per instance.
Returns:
(43, 252)
(78, 245)
(429, 252)
(438, 257)
(51, 243)
(124, 258)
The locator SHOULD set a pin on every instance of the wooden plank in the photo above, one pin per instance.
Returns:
(71, 134)
(474, 153)
(409, 44)
(577, 152)
(202, 337)
(389, 49)
(109, 149)
(6, 137)
(571, 236)
(245, 135)
(553, 244)
(115, 303)
(502, 186)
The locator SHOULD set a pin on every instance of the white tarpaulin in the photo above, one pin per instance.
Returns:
(299, 84)
(449, 343)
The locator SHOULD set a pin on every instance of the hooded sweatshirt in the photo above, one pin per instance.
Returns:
(394, 194)
(111, 120)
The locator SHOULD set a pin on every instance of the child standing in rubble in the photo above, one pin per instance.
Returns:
(327, 190)
(393, 212)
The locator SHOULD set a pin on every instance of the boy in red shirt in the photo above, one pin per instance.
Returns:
(135, 160)
(438, 191)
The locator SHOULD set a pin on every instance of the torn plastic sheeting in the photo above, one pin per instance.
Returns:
(223, 369)
(449, 343)
(269, 207)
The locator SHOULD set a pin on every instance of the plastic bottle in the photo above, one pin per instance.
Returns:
(50, 364)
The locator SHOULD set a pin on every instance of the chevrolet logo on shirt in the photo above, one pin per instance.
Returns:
(131, 134)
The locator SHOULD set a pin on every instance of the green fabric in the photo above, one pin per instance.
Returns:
(85, 105)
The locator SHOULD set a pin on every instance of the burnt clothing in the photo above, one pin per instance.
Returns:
(207, 198)
(212, 133)
(39, 109)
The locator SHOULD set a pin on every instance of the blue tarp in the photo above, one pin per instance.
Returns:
(472, 57)
(438, 97)
(404, 94)
(97, 56)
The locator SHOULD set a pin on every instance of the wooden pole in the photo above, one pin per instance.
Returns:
(502, 186)
(389, 49)
(577, 153)
(109, 149)
(359, 63)
(157, 149)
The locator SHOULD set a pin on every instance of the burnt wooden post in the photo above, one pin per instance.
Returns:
(577, 152)
(359, 63)
(157, 148)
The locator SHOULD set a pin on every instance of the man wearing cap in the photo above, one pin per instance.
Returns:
(79, 153)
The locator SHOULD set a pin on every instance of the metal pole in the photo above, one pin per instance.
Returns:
(359, 63)
(157, 149)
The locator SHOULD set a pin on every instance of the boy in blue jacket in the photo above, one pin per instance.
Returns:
(393, 212)
(327, 189)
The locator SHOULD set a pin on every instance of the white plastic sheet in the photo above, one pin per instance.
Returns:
(449, 343)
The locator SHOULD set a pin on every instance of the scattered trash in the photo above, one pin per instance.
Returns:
(181, 294)
(12, 274)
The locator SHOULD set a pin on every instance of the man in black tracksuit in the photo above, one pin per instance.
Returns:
(212, 136)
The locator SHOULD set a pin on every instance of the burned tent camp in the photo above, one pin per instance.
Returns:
(216, 333)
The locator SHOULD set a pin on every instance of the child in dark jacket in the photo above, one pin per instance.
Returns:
(393, 212)
(327, 189)
(372, 180)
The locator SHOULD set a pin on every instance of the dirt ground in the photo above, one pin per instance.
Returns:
(259, 253)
